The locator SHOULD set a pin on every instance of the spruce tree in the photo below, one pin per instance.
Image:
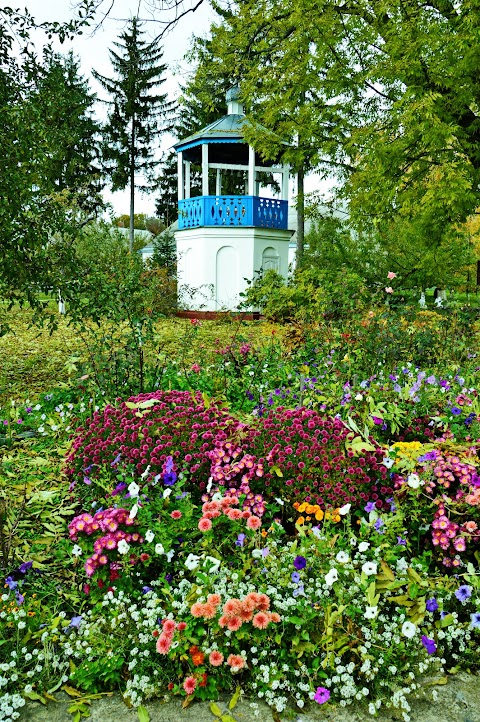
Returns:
(138, 113)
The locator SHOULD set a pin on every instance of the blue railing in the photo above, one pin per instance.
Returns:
(232, 211)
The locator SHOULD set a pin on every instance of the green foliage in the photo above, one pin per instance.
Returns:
(373, 93)
(310, 295)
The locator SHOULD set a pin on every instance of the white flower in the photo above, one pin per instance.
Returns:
(344, 509)
(133, 489)
(159, 548)
(123, 547)
(363, 546)
(217, 496)
(76, 551)
(279, 501)
(209, 484)
(413, 480)
(370, 612)
(133, 511)
(170, 555)
(409, 630)
(149, 536)
(166, 493)
(191, 562)
(358, 397)
(388, 462)
(342, 557)
(145, 473)
(369, 568)
(256, 553)
(331, 577)
(214, 563)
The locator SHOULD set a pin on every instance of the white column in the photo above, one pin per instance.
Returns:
(285, 178)
(218, 184)
(251, 171)
(205, 169)
(187, 179)
(180, 176)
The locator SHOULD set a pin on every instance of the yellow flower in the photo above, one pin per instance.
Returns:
(319, 515)
(302, 506)
(300, 520)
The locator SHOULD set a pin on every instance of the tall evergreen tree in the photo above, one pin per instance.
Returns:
(65, 102)
(137, 115)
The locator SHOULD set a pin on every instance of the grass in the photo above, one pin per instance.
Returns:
(34, 360)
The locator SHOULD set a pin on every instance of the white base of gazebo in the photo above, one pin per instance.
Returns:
(214, 263)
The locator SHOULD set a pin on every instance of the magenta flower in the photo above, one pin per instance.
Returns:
(322, 695)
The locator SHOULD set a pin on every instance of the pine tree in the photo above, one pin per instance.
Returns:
(65, 103)
(138, 114)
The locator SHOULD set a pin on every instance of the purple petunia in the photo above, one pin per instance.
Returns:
(431, 605)
(475, 620)
(299, 562)
(75, 622)
(322, 695)
(401, 542)
(455, 411)
(379, 524)
(240, 540)
(295, 577)
(370, 507)
(429, 456)
(429, 644)
(463, 593)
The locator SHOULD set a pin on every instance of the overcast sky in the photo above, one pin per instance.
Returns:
(92, 49)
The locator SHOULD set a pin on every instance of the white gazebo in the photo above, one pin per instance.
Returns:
(225, 240)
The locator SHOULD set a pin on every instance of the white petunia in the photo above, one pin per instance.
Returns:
(363, 546)
(331, 577)
(370, 612)
(342, 557)
(191, 562)
(133, 489)
(123, 547)
(409, 630)
(344, 509)
(388, 462)
(369, 568)
(133, 511)
(145, 473)
(76, 551)
(358, 397)
(159, 549)
(214, 563)
(413, 480)
(166, 493)
(149, 536)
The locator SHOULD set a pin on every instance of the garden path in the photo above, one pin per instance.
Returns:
(457, 701)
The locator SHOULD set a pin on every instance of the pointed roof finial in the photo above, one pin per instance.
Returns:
(234, 106)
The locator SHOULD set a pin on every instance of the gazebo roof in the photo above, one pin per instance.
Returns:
(225, 130)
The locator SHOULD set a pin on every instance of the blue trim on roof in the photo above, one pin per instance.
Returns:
(204, 141)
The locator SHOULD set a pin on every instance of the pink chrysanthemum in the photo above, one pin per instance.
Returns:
(163, 644)
(204, 524)
(169, 626)
(190, 685)
(176, 514)
(234, 623)
(209, 611)
(231, 607)
(263, 602)
(215, 658)
(214, 599)
(196, 610)
(236, 662)
(253, 522)
(260, 620)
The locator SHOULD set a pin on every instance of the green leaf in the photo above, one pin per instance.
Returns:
(215, 709)
(143, 715)
(233, 702)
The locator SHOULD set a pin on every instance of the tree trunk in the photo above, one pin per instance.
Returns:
(132, 186)
(300, 217)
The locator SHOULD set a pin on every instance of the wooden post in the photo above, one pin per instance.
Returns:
(205, 169)
(180, 176)
(251, 171)
(187, 179)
